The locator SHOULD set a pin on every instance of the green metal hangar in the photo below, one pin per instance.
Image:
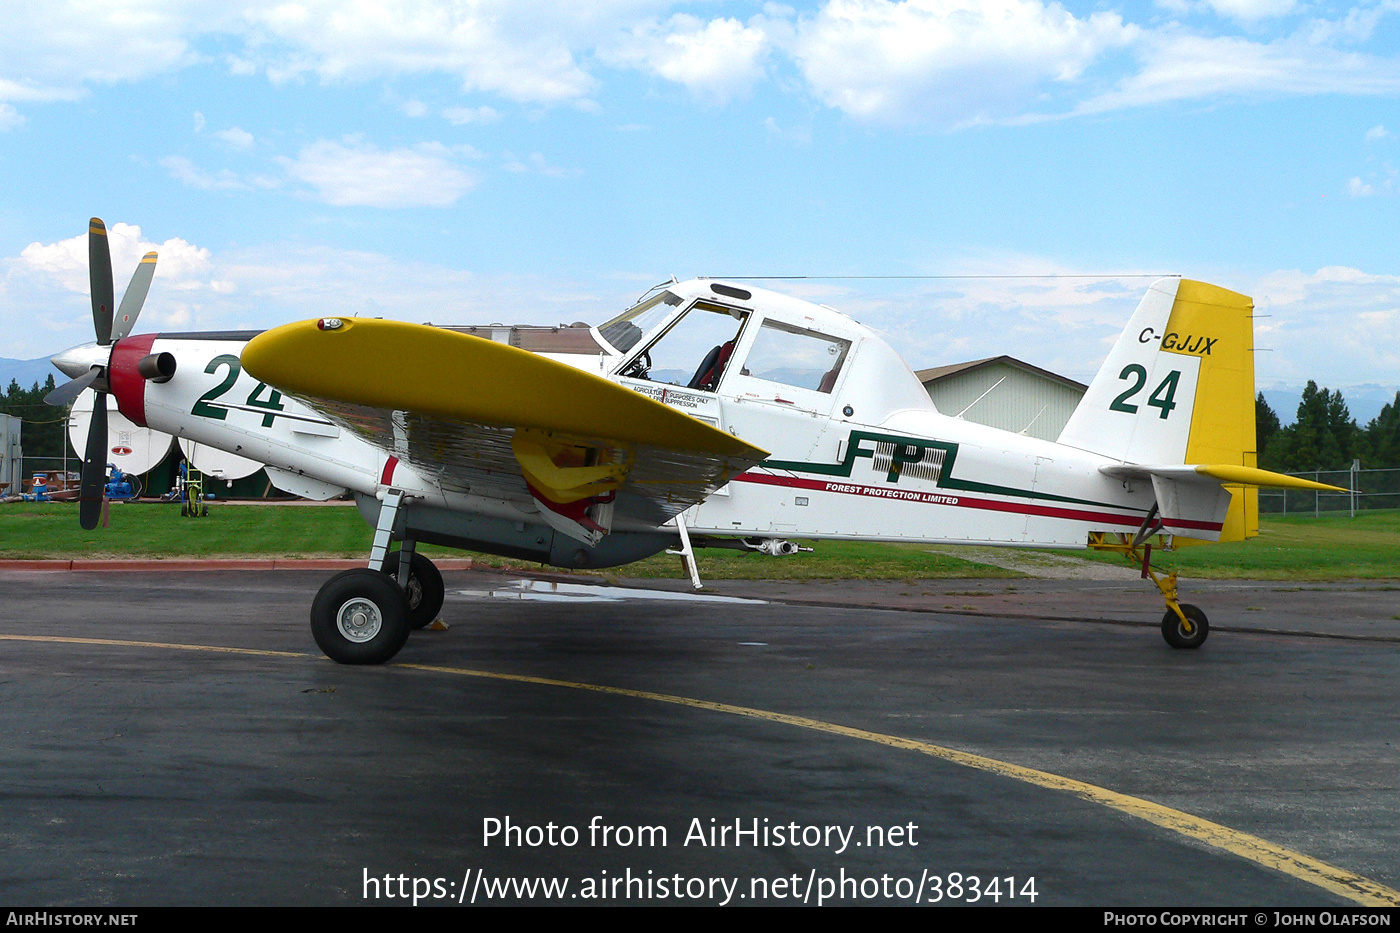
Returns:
(1003, 392)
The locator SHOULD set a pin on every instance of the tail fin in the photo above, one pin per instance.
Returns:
(1178, 388)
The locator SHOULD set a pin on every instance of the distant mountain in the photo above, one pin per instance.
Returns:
(27, 372)
(1363, 401)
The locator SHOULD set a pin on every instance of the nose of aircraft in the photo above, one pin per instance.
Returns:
(76, 361)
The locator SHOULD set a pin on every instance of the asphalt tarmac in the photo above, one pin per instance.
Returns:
(176, 739)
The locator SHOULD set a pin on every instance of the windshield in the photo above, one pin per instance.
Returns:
(623, 331)
(694, 351)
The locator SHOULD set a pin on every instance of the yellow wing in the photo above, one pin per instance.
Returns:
(487, 418)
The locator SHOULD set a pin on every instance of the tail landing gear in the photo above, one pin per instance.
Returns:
(1184, 625)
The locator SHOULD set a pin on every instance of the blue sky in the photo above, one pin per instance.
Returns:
(546, 162)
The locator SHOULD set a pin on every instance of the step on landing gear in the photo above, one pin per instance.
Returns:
(365, 615)
(1183, 625)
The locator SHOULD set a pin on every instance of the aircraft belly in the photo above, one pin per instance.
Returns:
(479, 525)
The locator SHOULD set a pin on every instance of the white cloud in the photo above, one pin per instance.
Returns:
(526, 52)
(47, 306)
(1178, 66)
(1338, 325)
(947, 61)
(354, 173)
(1250, 11)
(25, 90)
(460, 116)
(1376, 132)
(1358, 188)
(1029, 307)
(187, 173)
(796, 134)
(714, 60)
(536, 164)
(522, 52)
(52, 50)
(236, 137)
(940, 63)
(181, 264)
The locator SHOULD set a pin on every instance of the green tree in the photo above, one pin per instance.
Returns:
(42, 433)
(1324, 437)
(1266, 424)
(1383, 437)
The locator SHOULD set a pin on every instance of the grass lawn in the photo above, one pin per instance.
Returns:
(1288, 548)
(1293, 547)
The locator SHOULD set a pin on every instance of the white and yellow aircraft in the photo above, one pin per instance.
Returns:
(708, 414)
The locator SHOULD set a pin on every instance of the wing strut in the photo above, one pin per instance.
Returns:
(686, 552)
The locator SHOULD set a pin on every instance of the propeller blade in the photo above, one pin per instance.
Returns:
(135, 297)
(64, 394)
(94, 483)
(100, 278)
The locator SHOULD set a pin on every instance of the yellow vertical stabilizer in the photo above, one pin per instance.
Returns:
(1217, 326)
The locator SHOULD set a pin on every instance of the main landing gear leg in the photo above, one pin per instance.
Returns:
(1183, 625)
(361, 616)
(421, 582)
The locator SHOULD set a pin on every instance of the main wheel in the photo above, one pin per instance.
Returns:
(360, 617)
(1175, 632)
(425, 590)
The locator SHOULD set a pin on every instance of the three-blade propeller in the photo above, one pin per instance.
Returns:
(109, 329)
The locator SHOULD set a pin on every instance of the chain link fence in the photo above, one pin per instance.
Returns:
(1365, 489)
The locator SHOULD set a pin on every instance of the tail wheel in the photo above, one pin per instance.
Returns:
(425, 590)
(1174, 630)
(360, 617)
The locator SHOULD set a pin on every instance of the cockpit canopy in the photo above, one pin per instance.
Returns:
(751, 343)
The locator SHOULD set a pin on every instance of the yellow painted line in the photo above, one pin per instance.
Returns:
(157, 644)
(1305, 868)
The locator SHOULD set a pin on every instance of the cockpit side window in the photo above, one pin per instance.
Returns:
(694, 352)
(796, 357)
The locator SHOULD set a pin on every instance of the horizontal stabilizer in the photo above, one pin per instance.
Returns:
(1221, 472)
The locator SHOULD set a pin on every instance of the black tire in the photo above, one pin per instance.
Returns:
(425, 591)
(1175, 633)
(360, 617)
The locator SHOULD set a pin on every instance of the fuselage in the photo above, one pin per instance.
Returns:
(857, 448)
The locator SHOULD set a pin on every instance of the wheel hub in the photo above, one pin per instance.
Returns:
(359, 620)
